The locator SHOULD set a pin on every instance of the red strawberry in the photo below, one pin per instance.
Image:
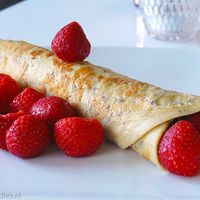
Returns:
(51, 109)
(71, 44)
(25, 99)
(5, 123)
(27, 137)
(77, 136)
(194, 119)
(8, 90)
(179, 149)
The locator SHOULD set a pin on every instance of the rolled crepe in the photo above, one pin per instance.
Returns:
(134, 114)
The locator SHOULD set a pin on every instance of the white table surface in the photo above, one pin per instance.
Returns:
(106, 22)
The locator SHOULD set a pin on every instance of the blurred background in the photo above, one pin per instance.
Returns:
(106, 22)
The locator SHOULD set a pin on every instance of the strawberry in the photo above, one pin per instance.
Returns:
(27, 137)
(71, 44)
(5, 123)
(179, 149)
(24, 100)
(8, 90)
(78, 137)
(194, 119)
(51, 109)
(14, 116)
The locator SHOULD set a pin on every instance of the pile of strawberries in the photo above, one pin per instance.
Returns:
(29, 121)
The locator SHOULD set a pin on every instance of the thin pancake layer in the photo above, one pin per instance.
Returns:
(147, 146)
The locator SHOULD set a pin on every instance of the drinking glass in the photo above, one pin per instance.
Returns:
(171, 19)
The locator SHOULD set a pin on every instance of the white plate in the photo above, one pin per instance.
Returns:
(111, 173)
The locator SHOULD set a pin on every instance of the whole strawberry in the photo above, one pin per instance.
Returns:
(5, 123)
(8, 90)
(27, 137)
(179, 149)
(71, 44)
(78, 137)
(24, 100)
(51, 109)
